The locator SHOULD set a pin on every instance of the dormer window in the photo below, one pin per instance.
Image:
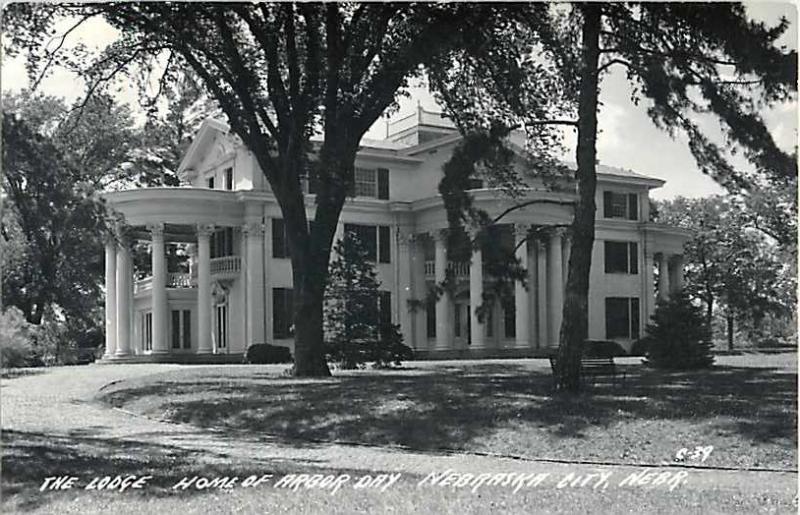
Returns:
(620, 205)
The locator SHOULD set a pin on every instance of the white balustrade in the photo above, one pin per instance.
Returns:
(458, 268)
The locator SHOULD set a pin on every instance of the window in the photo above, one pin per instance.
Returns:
(222, 243)
(222, 326)
(620, 205)
(370, 182)
(181, 328)
(282, 308)
(229, 178)
(622, 257)
(510, 319)
(457, 315)
(210, 183)
(280, 241)
(622, 318)
(376, 240)
(147, 331)
(430, 318)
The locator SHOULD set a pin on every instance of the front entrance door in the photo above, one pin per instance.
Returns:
(461, 325)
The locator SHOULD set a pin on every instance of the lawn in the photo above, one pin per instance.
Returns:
(745, 407)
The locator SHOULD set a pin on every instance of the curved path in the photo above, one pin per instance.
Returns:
(60, 402)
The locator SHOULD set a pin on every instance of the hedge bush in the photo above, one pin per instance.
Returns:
(264, 353)
(16, 346)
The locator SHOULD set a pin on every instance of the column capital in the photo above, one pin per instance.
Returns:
(439, 235)
(205, 229)
(156, 230)
(253, 229)
(521, 231)
(406, 236)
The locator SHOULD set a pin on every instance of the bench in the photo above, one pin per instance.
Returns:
(593, 368)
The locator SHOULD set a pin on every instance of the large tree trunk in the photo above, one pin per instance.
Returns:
(574, 327)
(730, 320)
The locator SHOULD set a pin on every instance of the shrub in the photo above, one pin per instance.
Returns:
(264, 353)
(16, 349)
(639, 348)
(390, 350)
(603, 349)
(679, 336)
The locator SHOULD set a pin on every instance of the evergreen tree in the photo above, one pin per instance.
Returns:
(679, 336)
(356, 327)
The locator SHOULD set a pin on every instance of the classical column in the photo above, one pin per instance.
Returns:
(254, 237)
(541, 294)
(556, 295)
(649, 286)
(405, 281)
(111, 297)
(476, 298)
(420, 289)
(204, 311)
(676, 274)
(159, 289)
(522, 317)
(663, 276)
(443, 302)
(124, 289)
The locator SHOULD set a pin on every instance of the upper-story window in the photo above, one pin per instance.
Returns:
(280, 241)
(372, 182)
(210, 183)
(374, 238)
(222, 243)
(229, 178)
(620, 205)
(621, 257)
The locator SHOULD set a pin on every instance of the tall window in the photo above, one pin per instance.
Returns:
(147, 331)
(622, 318)
(384, 308)
(181, 328)
(430, 318)
(280, 241)
(222, 325)
(222, 243)
(621, 257)
(210, 183)
(510, 318)
(282, 307)
(375, 239)
(620, 205)
(229, 178)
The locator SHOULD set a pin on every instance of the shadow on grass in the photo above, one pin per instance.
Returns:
(29, 458)
(500, 407)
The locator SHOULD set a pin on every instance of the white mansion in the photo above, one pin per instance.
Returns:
(237, 290)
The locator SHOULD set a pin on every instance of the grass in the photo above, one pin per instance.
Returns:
(745, 407)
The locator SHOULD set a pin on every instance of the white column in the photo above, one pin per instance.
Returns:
(111, 297)
(541, 294)
(124, 289)
(443, 302)
(522, 317)
(476, 298)
(663, 277)
(420, 288)
(676, 275)
(159, 289)
(204, 311)
(649, 286)
(556, 296)
(404, 288)
(254, 237)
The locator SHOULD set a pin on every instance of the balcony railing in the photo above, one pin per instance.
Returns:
(180, 280)
(226, 265)
(459, 268)
(222, 267)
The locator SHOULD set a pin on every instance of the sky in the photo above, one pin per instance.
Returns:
(627, 137)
